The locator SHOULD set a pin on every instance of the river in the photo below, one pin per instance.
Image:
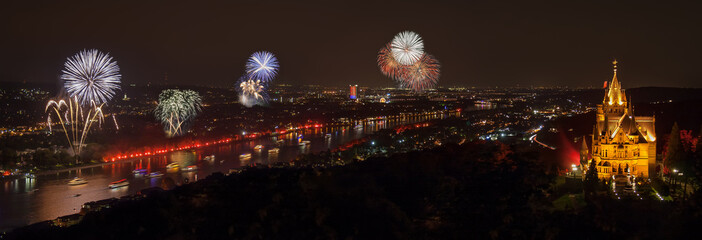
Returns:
(26, 201)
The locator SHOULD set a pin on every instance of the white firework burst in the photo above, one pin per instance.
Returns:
(407, 47)
(252, 92)
(91, 76)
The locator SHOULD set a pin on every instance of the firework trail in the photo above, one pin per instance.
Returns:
(78, 119)
(422, 75)
(177, 109)
(262, 66)
(91, 76)
(407, 47)
(115, 120)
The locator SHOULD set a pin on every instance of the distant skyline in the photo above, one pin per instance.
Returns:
(479, 44)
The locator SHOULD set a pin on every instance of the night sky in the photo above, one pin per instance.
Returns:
(334, 43)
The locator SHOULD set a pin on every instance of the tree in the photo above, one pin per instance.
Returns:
(674, 154)
(697, 159)
(8, 157)
(591, 181)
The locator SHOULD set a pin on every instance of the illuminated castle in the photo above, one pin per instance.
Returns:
(622, 143)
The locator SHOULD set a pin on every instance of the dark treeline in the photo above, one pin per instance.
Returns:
(483, 190)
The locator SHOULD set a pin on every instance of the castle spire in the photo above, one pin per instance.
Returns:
(615, 65)
(614, 93)
(615, 82)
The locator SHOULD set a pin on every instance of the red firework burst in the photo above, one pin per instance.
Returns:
(422, 75)
(388, 65)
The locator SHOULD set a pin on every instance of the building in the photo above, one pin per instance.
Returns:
(622, 143)
(352, 92)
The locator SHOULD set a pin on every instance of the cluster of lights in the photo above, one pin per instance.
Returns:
(292, 129)
(198, 145)
(245, 136)
(162, 151)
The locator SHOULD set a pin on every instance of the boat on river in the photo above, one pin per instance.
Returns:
(155, 175)
(172, 166)
(258, 147)
(245, 156)
(190, 168)
(273, 150)
(119, 184)
(77, 181)
(139, 171)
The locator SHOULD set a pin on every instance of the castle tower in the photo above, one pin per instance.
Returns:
(622, 143)
(584, 154)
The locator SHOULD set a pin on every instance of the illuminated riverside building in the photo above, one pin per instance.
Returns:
(352, 91)
(622, 143)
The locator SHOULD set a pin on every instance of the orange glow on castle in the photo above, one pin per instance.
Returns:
(622, 143)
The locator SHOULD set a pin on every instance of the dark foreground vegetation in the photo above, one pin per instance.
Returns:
(482, 190)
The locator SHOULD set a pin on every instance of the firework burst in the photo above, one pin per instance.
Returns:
(388, 65)
(78, 119)
(252, 92)
(177, 109)
(404, 61)
(262, 66)
(422, 75)
(407, 47)
(91, 76)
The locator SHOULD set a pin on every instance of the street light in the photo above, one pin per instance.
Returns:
(674, 179)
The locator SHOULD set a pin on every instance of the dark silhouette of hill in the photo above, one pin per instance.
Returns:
(447, 192)
(654, 94)
(475, 190)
